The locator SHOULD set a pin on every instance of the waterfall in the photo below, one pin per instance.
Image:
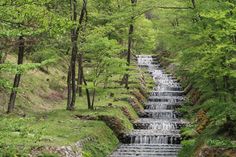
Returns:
(156, 133)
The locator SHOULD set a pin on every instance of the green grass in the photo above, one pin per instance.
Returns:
(40, 118)
(57, 128)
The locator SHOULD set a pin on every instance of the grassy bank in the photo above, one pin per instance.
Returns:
(212, 119)
(41, 120)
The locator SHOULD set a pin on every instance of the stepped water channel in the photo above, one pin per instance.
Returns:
(156, 133)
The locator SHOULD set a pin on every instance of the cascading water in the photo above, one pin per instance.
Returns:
(156, 134)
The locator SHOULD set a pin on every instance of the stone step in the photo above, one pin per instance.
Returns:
(153, 146)
(151, 120)
(167, 88)
(146, 150)
(162, 103)
(159, 126)
(144, 154)
(162, 107)
(158, 155)
(156, 135)
(166, 93)
(161, 114)
(151, 132)
(166, 97)
(154, 138)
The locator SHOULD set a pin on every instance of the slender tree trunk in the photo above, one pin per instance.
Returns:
(80, 57)
(12, 100)
(194, 4)
(80, 77)
(130, 39)
(74, 40)
(88, 96)
(69, 89)
(86, 88)
(93, 99)
(73, 69)
(87, 92)
(131, 30)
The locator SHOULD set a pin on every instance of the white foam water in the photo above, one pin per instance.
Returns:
(158, 135)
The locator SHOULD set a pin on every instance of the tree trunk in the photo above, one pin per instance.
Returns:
(194, 4)
(17, 78)
(130, 39)
(93, 99)
(87, 92)
(69, 89)
(80, 57)
(74, 40)
(73, 69)
(80, 77)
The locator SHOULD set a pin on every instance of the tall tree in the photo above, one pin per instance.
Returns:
(21, 23)
(130, 38)
(72, 70)
(74, 52)
(21, 47)
(83, 17)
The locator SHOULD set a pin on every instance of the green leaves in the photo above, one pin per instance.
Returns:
(30, 18)
(103, 53)
(144, 36)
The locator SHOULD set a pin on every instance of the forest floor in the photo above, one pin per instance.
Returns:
(41, 120)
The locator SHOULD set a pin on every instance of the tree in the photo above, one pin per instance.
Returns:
(74, 41)
(22, 21)
(104, 58)
(130, 38)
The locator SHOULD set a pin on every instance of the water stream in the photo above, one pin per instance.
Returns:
(156, 133)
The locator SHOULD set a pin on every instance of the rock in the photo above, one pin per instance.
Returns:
(216, 152)
(74, 150)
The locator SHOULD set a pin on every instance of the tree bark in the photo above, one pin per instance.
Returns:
(93, 99)
(73, 69)
(69, 89)
(80, 77)
(87, 91)
(17, 78)
(194, 4)
(80, 57)
(130, 39)
(74, 40)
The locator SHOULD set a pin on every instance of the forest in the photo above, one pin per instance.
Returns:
(117, 78)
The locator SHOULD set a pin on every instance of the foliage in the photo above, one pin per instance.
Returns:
(221, 143)
(201, 44)
(105, 61)
(188, 148)
(145, 36)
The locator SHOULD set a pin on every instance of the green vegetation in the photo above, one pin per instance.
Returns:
(54, 129)
(40, 118)
(199, 44)
(75, 78)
